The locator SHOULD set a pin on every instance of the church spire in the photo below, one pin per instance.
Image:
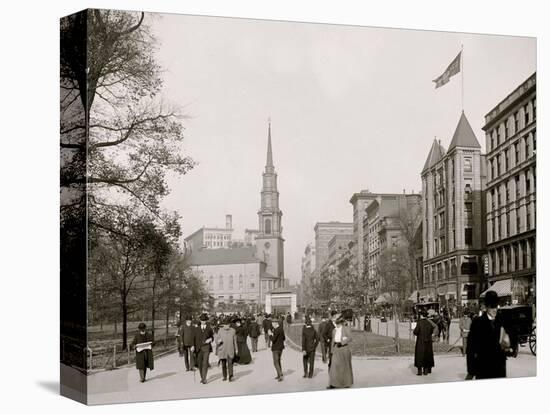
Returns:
(269, 163)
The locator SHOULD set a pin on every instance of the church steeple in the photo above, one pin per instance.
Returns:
(269, 241)
(269, 163)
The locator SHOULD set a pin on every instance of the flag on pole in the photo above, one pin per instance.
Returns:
(451, 70)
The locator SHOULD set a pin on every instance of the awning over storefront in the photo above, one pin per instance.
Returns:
(413, 296)
(501, 287)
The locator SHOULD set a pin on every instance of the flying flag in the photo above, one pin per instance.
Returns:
(451, 70)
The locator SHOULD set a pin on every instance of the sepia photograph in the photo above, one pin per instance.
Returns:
(258, 206)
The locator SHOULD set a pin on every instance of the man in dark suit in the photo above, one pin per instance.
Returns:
(277, 336)
(327, 337)
(321, 333)
(187, 338)
(254, 333)
(486, 345)
(310, 339)
(204, 335)
(267, 326)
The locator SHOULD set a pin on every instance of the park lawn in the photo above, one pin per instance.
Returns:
(373, 345)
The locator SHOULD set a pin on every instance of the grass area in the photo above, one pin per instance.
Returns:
(374, 345)
(106, 335)
(106, 344)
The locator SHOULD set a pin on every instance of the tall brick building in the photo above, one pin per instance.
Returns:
(453, 223)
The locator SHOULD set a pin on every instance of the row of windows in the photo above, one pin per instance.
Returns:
(218, 236)
(502, 163)
(230, 282)
(514, 257)
(440, 243)
(440, 271)
(502, 195)
(519, 120)
(500, 227)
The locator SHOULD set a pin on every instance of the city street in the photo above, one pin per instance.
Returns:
(170, 381)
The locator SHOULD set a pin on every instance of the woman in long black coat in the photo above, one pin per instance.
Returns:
(244, 356)
(144, 357)
(423, 350)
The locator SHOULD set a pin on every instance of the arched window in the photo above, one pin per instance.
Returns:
(267, 226)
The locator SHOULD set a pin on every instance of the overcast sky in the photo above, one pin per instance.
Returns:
(352, 108)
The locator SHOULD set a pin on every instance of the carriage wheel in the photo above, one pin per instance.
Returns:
(533, 341)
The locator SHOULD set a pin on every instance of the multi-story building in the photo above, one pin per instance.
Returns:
(511, 142)
(360, 201)
(308, 269)
(385, 219)
(234, 276)
(453, 223)
(337, 246)
(211, 237)
(324, 232)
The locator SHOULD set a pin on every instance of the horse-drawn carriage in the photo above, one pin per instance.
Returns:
(519, 323)
(431, 308)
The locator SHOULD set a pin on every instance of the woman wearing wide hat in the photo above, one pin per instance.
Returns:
(244, 353)
(340, 369)
(143, 343)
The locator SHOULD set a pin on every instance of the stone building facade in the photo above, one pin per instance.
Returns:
(453, 223)
(511, 142)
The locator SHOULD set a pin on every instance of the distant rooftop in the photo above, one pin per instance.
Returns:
(237, 255)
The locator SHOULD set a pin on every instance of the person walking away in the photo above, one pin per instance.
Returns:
(204, 336)
(260, 322)
(423, 350)
(328, 334)
(226, 348)
(464, 326)
(267, 326)
(340, 368)
(277, 338)
(187, 337)
(288, 319)
(321, 333)
(310, 339)
(243, 351)
(254, 333)
(487, 342)
(143, 345)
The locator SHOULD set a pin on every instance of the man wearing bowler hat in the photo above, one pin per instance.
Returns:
(204, 335)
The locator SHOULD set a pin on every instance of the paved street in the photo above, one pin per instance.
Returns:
(170, 381)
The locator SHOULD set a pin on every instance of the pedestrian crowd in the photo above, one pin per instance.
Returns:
(485, 343)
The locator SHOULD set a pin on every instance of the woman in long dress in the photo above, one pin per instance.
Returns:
(340, 369)
(244, 353)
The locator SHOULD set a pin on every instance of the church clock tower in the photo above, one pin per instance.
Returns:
(269, 241)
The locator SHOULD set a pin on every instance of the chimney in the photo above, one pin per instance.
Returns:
(228, 221)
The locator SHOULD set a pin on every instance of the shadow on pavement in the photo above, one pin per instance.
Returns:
(161, 376)
(214, 377)
(288, 372)
(242, 373)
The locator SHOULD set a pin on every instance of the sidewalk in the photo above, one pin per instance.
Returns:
(169, 380)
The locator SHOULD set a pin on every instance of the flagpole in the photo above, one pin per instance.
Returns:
(462, 75)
